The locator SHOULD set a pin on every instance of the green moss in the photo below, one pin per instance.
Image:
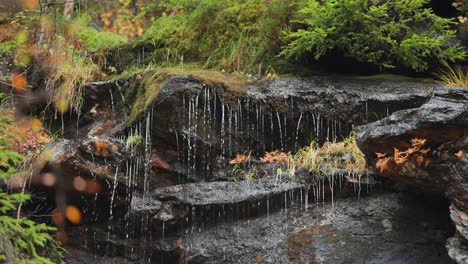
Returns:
(93, 39)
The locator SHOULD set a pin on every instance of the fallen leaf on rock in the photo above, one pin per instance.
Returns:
(240, 159)
(380, 155)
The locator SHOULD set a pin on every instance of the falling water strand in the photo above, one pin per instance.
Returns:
(331, 184)
(297, 132)
(195, 117)
(189, 136)
(280, 132)
(147, 155)
(222, 129)
(112, 99)
(114, 187)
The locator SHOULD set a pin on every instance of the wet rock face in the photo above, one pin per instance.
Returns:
(441, 165)
(202, 123)
(89, 158)
(88, 174)
(185, 204)
(384, 228)
(189, 134)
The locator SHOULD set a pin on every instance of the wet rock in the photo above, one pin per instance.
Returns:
(457, 250)
(145, 205)
(90, 158)
(213, 121)
(179, 205)
(457, 246)
(440, 126)
(193, 123)
(350, 231)
(224, 192)
(157, 162)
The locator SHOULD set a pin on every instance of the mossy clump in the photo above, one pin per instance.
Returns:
(343, 155)
(92, 39)
(148, 83)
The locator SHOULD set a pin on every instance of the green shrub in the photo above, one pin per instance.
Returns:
(21, 240)
(233, 35)
(387, 34)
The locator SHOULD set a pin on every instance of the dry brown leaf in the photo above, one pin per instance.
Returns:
(239, 159)
(425, 151)
(102, 149)
(400, 157)
(383, 164)
(418, 142)
(380, 155)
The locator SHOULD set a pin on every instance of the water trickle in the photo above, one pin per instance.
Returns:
(147, 155)
(268, 207)
(120, 91)
(223, 136)
(112, 99)
(280, 132)
(114, 187)
(297, 132)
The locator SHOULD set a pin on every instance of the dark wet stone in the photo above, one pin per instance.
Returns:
(383, 228)
(219, 193)
(443, 122)
(278, 114)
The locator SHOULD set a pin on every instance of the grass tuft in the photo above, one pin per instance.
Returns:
(454, 76)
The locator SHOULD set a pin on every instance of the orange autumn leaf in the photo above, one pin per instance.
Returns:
(275, 157)
(400, 157)
(380, 155)
(73, 214)
(459, 154)
(425, 151)
(18, 81)
(239, 159)
(29, 4)
(383, 164)
(102, 149)
(418, 142)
